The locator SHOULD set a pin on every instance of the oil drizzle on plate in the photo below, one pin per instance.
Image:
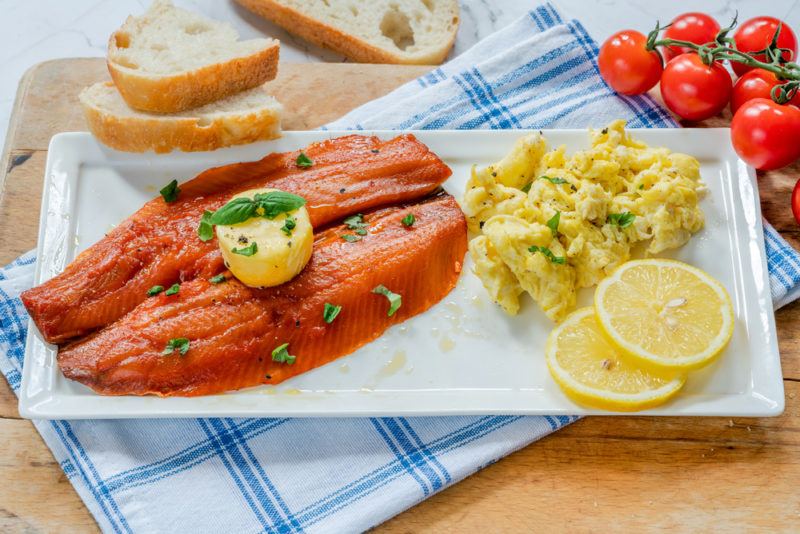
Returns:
(394, 365)
(446, 344)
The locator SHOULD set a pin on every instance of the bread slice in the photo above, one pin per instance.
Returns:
(369, 31)
(171, 60)
(242, 118)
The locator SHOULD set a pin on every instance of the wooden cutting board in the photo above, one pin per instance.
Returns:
(620, 473)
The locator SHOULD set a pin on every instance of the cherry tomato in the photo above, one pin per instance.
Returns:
(626, 65)
(697, 28)
(694, 90)
(757, 33)
(796, 202)
(765, 134)
(757, 83)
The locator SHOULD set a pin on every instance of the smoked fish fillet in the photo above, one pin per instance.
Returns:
(233, 329)
(158, 245)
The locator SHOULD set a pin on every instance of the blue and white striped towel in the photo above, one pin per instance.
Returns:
(341, 475)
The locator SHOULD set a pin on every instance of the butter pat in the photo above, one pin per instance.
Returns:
(280, 252)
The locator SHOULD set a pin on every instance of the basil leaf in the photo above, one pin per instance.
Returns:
(181, 344)
(561, 260)
(217, 279)
(527, 187)
(170, 192)
(553, 223)
(205, 230)
(351, 238)
(623, 220)
(554, 181)
(276, 202)
(155, 290)
(246, 251)
(173, 290)
(303, 160)
(330, 312)
(395, 300)
(236, 211)
(408, 220)
(280, 354)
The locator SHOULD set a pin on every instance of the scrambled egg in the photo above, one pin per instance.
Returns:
(550, 224)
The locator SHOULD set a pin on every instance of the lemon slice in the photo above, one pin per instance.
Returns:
(665, 314)
(591, 371)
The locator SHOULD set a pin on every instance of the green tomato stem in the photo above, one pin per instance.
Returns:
(787, 71)
(723, 48)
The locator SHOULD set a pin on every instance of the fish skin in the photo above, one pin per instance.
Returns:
(233, 328)
(158, 245)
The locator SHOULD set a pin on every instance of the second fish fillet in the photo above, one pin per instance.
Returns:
(232, 330)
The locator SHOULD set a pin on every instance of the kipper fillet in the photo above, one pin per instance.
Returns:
(232, 329)
(158, 245)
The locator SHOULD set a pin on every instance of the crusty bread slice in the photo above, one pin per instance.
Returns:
(369, 31)
(171, 60)
(242, 118)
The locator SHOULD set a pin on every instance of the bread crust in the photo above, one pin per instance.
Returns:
(194, 88)
(164, 134)
(327, 36)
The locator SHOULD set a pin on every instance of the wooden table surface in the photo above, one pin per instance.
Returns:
(599, 474)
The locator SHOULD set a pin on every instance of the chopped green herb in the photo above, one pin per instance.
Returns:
(217, 279)
(408, 220)
(181, 344)
(527, 187)
(170, 191)
(206, 230)
(554, 181)
(395, 300)
(303, 160)
(246, 251)
(268, 205)
(288, 225)
(561, 260)
(281, 355)
(155, 290)
(641, 186)
(356, 224)
(350, 238)
(553, 223)
(623, 220)
(173, 290)
(330, 312)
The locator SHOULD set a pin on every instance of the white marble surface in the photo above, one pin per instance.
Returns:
(37, 30)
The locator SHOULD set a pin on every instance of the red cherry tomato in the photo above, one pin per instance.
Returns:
(626, 65)
(694, 90)
(757, 83)
(697, 28)
(757, 33)
(796, 202)
(765, 134)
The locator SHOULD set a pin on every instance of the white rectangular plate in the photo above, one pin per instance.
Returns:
(464, 355)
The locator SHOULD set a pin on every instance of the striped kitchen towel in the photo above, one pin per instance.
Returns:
(345, 475)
